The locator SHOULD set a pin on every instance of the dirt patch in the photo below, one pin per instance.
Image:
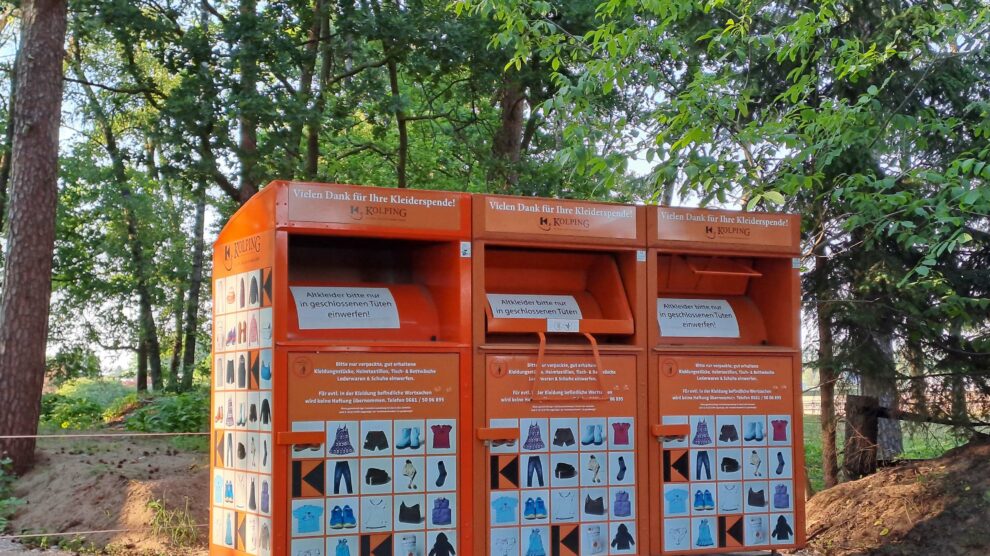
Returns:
(107, 485)
(939, 507)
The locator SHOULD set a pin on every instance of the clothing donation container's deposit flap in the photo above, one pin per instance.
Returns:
(704, 299)
(555, 291)
(371, 289)
(401, 311)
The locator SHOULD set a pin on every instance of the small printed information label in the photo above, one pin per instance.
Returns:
(323, 308)
(563, 325)
(696, 318)
(527, 306)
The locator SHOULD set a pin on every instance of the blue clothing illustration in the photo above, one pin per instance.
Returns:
(228, 537)
(308, 517)
(704, 534)
(535, 544)
(504, 509)
(217, 490)
(676, 501)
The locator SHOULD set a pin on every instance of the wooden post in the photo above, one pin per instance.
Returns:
(862, 427)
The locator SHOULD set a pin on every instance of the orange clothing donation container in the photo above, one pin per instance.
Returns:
(342, 373)
(727, 465)
(559, 371)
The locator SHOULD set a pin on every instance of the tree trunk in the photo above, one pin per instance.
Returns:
(667, 195)
(142, 365)
(827, 373)
(306, 70)
(827, 378)
(915, 357)
(957, 381)
(881, 383)
(172, 381)
(507, 142)
(195, 285)
(388, 45)
(148, 328)
(247, 118)
(862, 428)
(8, 141)
(31, 234)
(400, 120)
(314, 125)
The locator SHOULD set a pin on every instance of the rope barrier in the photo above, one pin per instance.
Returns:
(105, 435)
(81, 533)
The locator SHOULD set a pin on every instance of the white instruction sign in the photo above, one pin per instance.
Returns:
(527, 306)
(696, 318)
(322, 308)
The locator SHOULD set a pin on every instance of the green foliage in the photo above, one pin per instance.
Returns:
(71, 362)
(85, 403)
(8, 504)
(101, 392)
(66, 412)
(185, 412)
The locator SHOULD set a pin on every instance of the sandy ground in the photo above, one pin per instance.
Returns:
(939, 507)
(107, 484)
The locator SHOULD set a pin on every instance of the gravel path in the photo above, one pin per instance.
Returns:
(12, 548)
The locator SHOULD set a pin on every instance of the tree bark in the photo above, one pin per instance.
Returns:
(881, 383)
(507, 142)
(172, 381)
(8, 141)
(315, 123)
(142, 364)
(31, 234)
(247, 118)
(827, 373)
(957, 381)
(862, 428)
(914, 354)
(827, 377)
(388, 45)
(195, 286)
(400, 120)
(306, 70)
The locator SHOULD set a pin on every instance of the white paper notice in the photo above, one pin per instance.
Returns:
(526, 306)
(696, 318)
(322, 308)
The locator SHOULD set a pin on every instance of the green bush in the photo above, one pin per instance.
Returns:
(186, 412)
(82, 403)
(70, 413)
(99, 391)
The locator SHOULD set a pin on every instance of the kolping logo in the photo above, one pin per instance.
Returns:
(232, 251)
(567, 222)
(730, 232)
(380, 212)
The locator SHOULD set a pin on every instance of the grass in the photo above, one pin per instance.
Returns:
(191, 443)
(920, 442)
(177, 525)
